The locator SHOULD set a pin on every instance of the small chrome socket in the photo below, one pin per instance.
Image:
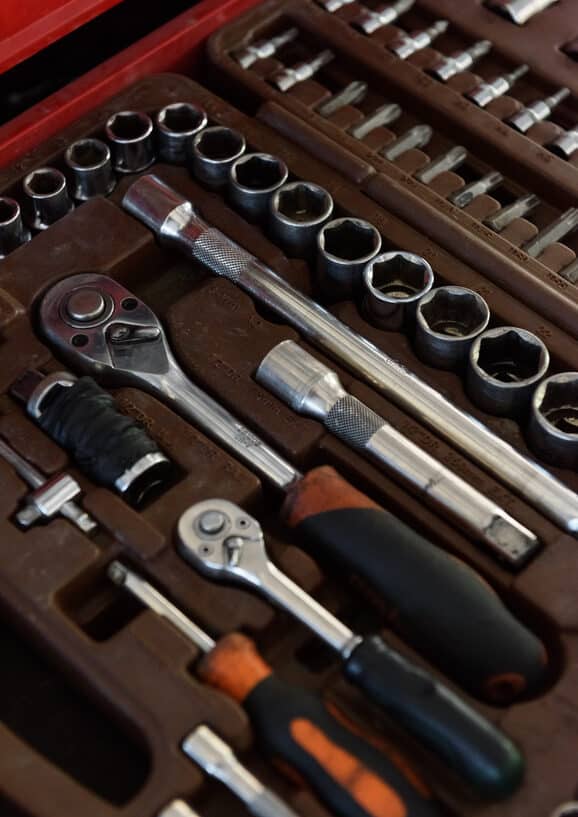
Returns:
(344, 248)
(553, 427)
(298, 211)
(13, 233)
(213, 153)
(176, 126)
(90, 165)
(46, 197)
(393, 283)
(448, 319)
(504, 368)
(130, 134)
(253, 180)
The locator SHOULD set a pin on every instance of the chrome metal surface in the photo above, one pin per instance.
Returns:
(448, 67)
(486, 92)
(536, 112)
(262, 49)
(178, 808)
(176, 126)
(370, 20)
(449, 160)
(466, 195)
(214, 152)
(13, 233)
(405, 44)
(416, 137)
(90, 165)
(344, 247)
(553, 427)
(253, 180)
(384, 115)
(555, 231)
(350, 95)
(298, 211)
(130, 134)
(288, 77)
(519, 11)
(508, 214)
(46, 197)
(566, 144)
(393, 283)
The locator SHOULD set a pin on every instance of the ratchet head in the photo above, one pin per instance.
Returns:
(223, 542)
(102, 328)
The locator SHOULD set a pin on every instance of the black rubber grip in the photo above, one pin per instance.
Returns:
(347, 773)
(444, 607)
(483, 757)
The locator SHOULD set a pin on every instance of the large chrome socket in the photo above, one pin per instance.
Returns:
(505, 366)
(393, 283)
(298, 211)
(47, 198)
(13, 233)
(214, 152)
(176, 125)
(344, 248)
(253, 180)
(553, 427)
(448, 319)
(130, 134)
(90, 166)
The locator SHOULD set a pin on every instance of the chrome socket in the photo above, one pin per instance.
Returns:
(505, 366)
(553, 427)
(90, 166)
(176, 125)
(214, 152)
(344, 247)
(253, 180)
(298, 211)
(393, 283)
(13, 233)
(448, 319)
(47, 197)
(130, 134)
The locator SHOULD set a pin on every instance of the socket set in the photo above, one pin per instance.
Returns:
(229, 343)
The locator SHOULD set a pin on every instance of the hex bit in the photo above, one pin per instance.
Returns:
(416, 137)
(352, 94)
(447, 67)
(288, 77)
(566, 144)
(371, 20)
(406, 44)
(262, 49)
(537, 111)
(570, 272)
(449, 160)
(519, 11)
(554, 232)
(379, 118)
(462, 198)
(487, 91)
(508, 214)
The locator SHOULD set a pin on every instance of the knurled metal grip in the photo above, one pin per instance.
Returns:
(353, 422)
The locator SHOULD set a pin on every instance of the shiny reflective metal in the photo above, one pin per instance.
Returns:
(505, 366)
(447, 321)
(46, 197)
(13, 233)
(554, 232)
(416, 137)
(447, 67)
(178, 225)
(570, 272)
(262, 49)
(566, 144)
(466, 195)
(379, 118)
(537, 111)
(90, 166)
(178, 808)
(213, 153)
(51, 496)
(334, 5)
(237, 552)
(370, 20)
(486, 92)
(288, 77)
(253, 180)
(298, 211)
(553, 427)
(393, 283)
(128, 347)
(176, 126)
(566, 810)
(344, 247)
(508, 214)
(519, 11)
(131, 136)
(350, 95)
(449, 160)
(404, 45)
(217, 759)
(314, 390)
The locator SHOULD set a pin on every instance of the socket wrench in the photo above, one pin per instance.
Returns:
(393, 283)
(486, 92)
(466, 195)
(449, 160)
(175, 127)
(253, 179)
(421, 704)
(344, 247)
(262, 49)
(13, 233)
(447, 67)
(298, 211)
(505, 366)
(404, 45)
(214, 151)
(131, 136)
(416, 137)
(508, 214)
(371, 20)
(288, 77)
(90, 165)
(46, 197)
(537, 111)
(314, 390)
(553, 427)
(519, 11)
(177, 224)
(447, 321)
(554, 232)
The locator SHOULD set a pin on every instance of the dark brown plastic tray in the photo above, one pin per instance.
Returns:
(138, 694)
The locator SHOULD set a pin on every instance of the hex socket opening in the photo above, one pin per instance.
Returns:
(559, 404)
(454, 312)
(302, 202)
(9, 211)
(128, 126)
(219, 144)
(46, 181)
(350, 239)
(181, 118)
(399, 276)
(511, 356)
(87, 154)
(259, 172)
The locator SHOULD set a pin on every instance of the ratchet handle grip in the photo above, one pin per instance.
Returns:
(483, 756)
(445, 608)
(352, 777)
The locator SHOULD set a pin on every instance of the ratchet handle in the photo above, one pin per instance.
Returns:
(443, 606)
(483, 756)
(352, 777)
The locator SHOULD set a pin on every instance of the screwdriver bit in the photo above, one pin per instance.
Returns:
(519, 11)
(566, 144)
(380, 117)
(289, 77)
(554, 232)
(350, 95)
(537, 111)
(508, 214)
(416, 137)
(448, 67)
(465, 196)
(406, 44)
(371, 20)
(262, 49)
(486, 92)
(449, 160)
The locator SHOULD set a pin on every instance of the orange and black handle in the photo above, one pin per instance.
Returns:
(443, 606)
(351, 776)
